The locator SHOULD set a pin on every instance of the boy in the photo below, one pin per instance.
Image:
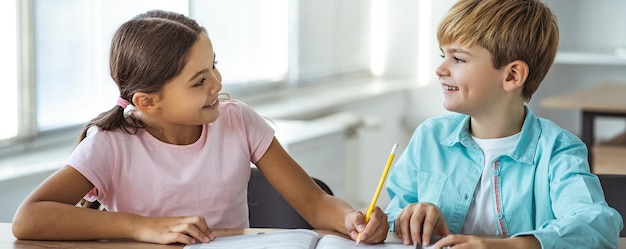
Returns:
(493, 168)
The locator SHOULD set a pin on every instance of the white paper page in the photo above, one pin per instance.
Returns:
(288, 239)
(335, 242)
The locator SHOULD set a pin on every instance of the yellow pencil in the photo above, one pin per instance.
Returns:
(383, 177)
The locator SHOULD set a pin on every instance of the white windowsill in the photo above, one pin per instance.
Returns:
(291, 104)
(23, 164)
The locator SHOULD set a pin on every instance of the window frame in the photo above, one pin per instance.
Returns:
(29, 138)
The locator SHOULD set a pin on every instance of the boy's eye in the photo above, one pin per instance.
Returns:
(215, 63)
(456, 59)
(200, 82)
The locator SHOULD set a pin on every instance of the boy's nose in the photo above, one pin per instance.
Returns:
(440, 71)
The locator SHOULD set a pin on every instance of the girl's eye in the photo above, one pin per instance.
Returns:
(215, 63)
(200, 82)
(442, 56)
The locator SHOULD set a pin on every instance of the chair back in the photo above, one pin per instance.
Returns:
(614, 187)
(268, 209)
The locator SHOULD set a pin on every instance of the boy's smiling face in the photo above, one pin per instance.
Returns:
(470, 83)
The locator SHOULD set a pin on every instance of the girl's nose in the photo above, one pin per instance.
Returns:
(216, 82)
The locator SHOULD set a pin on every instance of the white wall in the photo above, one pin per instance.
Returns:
(329, 38)
(596, 27)
(351, 147)
(13, 192)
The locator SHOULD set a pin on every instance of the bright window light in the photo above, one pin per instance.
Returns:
(8, 69)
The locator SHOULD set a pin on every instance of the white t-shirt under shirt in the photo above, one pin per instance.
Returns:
(139, 174)
(480, 217)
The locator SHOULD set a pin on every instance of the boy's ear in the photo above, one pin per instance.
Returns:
(517, 72)
(145, 102)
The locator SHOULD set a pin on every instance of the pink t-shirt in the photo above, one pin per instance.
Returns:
(137, 173)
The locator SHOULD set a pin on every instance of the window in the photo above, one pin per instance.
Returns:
(249, 37)
(8, 87)
(66, 75)
(57, 73)
(71, 57)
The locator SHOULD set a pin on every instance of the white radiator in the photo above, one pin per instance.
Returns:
(323, 147)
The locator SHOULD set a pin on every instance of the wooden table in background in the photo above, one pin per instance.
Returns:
(603, 100)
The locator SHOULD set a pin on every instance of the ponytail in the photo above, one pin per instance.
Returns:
(112, 120)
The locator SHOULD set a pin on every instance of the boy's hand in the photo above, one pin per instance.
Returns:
(376, 229)
(417, 222)
(469, 241)
(167, 230)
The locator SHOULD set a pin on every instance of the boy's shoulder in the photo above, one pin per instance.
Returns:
(545, 128)
(441, 127)
(450, 120)
(552, 131)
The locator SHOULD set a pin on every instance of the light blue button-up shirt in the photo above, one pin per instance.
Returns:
(542, 188)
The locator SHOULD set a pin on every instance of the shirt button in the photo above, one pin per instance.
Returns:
(496, 172)
(466, 196)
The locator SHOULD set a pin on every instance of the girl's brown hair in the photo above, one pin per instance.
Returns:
(146, 52)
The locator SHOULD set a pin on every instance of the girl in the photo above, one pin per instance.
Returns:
(171, 160)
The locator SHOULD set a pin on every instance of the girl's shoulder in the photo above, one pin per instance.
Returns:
(98, 134)
(236, 108)
(233, 104)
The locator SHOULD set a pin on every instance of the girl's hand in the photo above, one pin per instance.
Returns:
(375, 231)
(417, 222)
(167, 230)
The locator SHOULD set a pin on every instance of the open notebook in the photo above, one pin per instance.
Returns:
(294, 239)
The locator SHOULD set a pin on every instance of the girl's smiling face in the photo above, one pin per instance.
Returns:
(191, 98)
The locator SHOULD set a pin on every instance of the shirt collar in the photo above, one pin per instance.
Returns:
(523, 152)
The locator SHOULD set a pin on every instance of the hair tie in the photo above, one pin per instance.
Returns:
(122, 102)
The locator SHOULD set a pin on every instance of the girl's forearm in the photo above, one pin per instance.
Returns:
(48, 220)
(331, 214)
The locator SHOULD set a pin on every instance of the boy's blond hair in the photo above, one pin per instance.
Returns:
(510, 30)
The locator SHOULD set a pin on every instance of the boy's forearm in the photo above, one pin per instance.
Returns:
(523, 242)
(57, 221)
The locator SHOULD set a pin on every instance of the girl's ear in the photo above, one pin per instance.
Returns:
(517, 72)
(145, 102)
